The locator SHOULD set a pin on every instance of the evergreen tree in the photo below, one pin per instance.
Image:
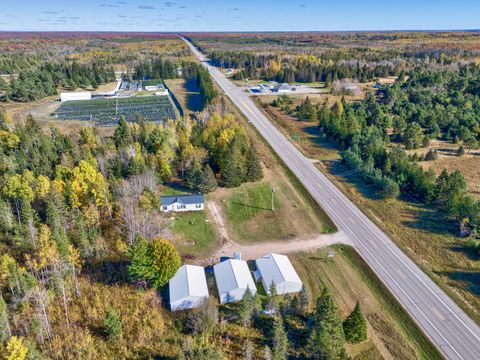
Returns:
(208, 182)
(140, 267)
(431, 155)
(303, 300)
(327, 341)
(254, 168)
(113, 325)
(272, 302)
(246, 307)
(155, 263)
(122, 136)
(280, 340)
(194, 176)
(233, 173)
(461, 150)
(355, 326)
(165, 261)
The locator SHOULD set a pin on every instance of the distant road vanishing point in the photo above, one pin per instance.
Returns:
(454, 334)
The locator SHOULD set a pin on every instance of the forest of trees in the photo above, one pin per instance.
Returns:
(300, 69)
(430, 104)
(31, 85)
(69, 203)
(73, 209)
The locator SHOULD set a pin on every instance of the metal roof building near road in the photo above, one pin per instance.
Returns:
(279, 270)
(188, 288)
(233, 277)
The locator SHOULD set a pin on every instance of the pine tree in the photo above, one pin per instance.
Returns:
(233, 173)
(461, 150)
(246, 307)
(193, 176)
(122, 136)
(355, 326)
(327, 340)
(140, 267)
(165, 261)
(303, 300)
(254, 168)
(280, 340)
(209, 182)
(272, 302)
(113, 325)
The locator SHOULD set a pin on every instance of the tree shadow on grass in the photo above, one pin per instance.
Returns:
(470, 279)
(427, 219)
(318, 138)
(194, 98)
(251, 206)
(468, 251)
(367, 190)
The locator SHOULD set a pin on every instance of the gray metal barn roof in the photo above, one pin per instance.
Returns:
(182, 199)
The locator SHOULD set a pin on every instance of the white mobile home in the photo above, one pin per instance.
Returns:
(232, 278)
(179, 203)
(188, 288)
(279, 270)
(75, 96)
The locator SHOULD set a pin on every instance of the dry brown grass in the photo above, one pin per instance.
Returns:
(390, 337)
(446, 258)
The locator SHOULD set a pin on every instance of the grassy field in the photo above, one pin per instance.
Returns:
(195, 232)
(250, 217)
(392, 333)
(187, 94)
(414, 227)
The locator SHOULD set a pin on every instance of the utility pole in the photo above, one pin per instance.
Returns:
(273, 198)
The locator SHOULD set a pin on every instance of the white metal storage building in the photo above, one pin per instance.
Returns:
(72, 96)
(233, 277)
(279, 270)
(188, 288)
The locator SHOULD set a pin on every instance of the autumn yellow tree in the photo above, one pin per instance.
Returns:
(15, 349)
(88, 185)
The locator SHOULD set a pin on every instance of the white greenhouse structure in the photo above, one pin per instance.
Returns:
(75, 96)
(279, 270)
(233, 278)
(188, 288)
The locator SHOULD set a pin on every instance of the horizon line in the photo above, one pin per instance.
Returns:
(238, 31)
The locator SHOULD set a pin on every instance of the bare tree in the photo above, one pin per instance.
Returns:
(136, 220)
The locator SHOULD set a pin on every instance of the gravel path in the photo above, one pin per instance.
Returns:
(253, 251)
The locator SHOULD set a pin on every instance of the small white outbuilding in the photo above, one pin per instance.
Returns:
(188, 288)
(279, 270)
(233, 278)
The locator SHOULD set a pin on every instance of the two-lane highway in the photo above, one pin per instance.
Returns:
(449, 328)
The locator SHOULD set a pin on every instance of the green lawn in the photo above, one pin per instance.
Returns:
(246, 202)
(250, 218)
(196, 231)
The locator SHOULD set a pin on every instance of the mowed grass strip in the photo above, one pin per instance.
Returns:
(250, 217)
(246, 202)
(196, 233)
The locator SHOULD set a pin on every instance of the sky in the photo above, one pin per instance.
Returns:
(245, 15)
